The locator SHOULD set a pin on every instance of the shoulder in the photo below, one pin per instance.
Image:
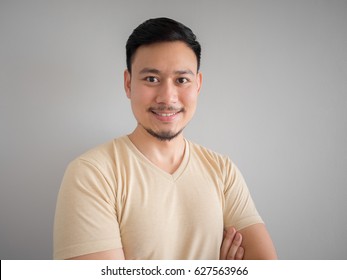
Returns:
(213, 159)
(102, 156)
(94, 168)
(221, 165)
(206, 153)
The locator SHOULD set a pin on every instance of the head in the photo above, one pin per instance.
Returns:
(162, 79)
(161, 30)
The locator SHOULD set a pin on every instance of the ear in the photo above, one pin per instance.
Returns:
(199, 81)
(127, 83)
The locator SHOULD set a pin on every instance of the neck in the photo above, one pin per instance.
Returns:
(167, 155)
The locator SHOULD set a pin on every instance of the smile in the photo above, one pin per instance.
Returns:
(165, 114)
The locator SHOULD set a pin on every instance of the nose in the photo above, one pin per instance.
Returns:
(167, 93)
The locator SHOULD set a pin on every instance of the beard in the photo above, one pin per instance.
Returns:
(163, 135)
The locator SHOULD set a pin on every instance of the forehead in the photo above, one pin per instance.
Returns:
(165, 56)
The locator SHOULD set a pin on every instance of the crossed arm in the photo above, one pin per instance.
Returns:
(252, 242)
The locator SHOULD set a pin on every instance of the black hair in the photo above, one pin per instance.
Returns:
(160, 30)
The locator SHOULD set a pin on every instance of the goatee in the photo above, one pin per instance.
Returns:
(164, 135)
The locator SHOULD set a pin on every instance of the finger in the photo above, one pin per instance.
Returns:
(240, 253)
(235, 245)
(227, 241)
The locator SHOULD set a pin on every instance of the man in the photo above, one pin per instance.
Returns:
(153, 194)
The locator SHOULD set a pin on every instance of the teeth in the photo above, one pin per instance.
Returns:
(165, 115)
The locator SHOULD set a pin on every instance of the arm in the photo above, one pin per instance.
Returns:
(240, 211)
(230, 249)
(257, 243)
(86, 219)
(116, 254)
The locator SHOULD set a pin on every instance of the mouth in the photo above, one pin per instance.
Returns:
(166, 115)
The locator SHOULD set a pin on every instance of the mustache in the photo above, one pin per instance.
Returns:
(166, 108)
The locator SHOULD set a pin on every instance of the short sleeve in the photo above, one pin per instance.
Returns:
(85, 219)
(239, 209)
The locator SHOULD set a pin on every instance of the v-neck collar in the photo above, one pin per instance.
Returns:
(172, 177)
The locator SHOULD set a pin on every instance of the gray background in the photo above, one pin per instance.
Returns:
(274, 99)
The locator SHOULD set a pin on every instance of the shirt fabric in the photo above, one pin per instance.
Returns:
(114, 197)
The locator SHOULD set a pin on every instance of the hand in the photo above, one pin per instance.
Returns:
(231, 245)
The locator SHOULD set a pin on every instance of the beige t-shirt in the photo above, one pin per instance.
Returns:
(114, 197)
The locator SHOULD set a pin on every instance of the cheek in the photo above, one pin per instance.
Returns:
(190, 98)
(140, 96)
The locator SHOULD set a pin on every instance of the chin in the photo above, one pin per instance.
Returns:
(164, 135)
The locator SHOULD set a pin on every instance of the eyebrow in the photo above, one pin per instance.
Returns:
(156, 71)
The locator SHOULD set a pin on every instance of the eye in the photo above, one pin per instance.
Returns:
(152, 79)
(182, 80)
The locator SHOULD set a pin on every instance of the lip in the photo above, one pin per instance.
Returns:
(166, 116)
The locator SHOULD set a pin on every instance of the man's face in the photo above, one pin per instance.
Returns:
(163, 88)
